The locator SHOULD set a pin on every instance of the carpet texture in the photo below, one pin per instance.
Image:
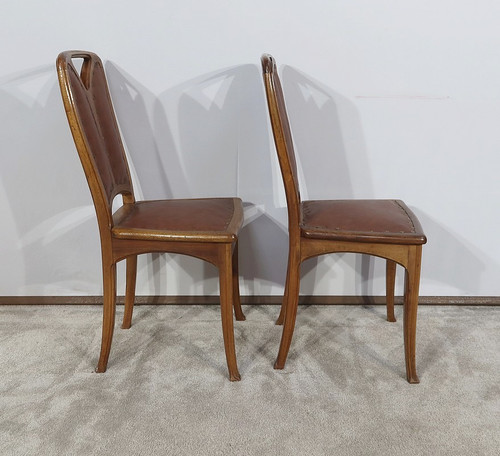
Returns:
(166, 392)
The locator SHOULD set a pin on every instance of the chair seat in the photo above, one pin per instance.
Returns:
(189, 220)
(379, 221)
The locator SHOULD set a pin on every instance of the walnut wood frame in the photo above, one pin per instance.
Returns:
(403, 251)
(218, 248)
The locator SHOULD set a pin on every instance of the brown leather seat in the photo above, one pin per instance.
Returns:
(203, 228)
(381, 221)
(196, 220)
(384, 228)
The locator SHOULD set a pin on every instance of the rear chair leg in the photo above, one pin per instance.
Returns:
(390, 281)
(281, 316)
(130, 291)
(238, 312)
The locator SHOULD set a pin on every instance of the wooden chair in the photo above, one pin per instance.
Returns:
(384, 228)
(202, 228)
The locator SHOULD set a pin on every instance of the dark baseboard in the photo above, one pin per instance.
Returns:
(251, 300)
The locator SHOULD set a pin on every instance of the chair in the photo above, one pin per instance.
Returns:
(202, 228)
(383, 228)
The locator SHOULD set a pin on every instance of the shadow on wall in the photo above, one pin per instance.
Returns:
(47, 214)
(207, 137)
(134, 106)
(448, 258)
(331, 155)
(333, 164)
(328, 137)
(147, 156)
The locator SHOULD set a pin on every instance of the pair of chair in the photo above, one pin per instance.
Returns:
(208, 228)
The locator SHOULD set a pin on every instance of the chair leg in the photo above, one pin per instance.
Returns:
(226, 305)
(238, 312)
(412, 279)
(130, 291)
(108, 314)
(390, 281)
(290, 303)
(281, 316)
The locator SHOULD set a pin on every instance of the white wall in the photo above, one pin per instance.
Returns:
(387, 99)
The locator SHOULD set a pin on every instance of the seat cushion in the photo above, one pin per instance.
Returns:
(380, 221)
(189, 220)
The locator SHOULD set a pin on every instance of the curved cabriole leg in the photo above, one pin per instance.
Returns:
(130, 291)
(226, 307)
(238, 312)
(412, 279)
(290, 303)
(390, 281)
(108, 314)
(281, 316)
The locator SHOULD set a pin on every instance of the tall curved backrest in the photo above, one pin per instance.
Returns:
(283, 140)
(95, 131)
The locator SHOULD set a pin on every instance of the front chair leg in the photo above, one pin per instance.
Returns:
(281, 316)
(412, 279)
(289, 308)
(131, 275)
(226, 307)
(108, 314)
(238, 312)
(390, 281)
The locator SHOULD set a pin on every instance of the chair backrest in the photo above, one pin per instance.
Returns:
(95, 131)
(282, 139)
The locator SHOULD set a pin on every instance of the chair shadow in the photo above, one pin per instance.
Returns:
(446, 250)
(328, 133)
(224, 144)
(36, 167)
(205, 137)
(147, 149)
(150, 159)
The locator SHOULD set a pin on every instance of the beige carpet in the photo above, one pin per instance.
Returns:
(166, 392)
